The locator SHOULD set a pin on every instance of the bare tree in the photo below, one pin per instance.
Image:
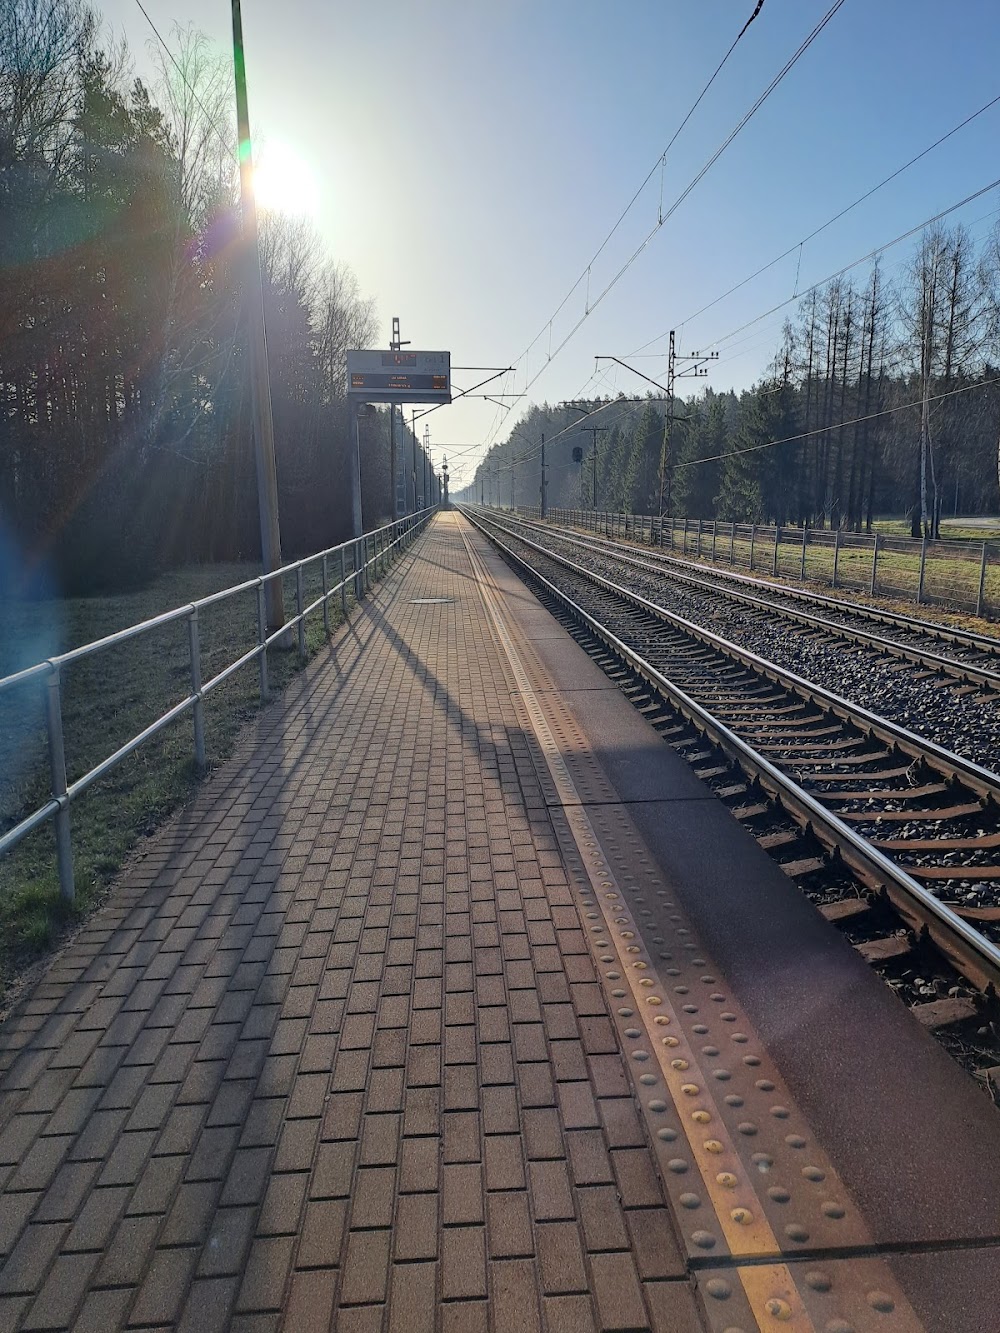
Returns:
(946, 312)
(195, 93)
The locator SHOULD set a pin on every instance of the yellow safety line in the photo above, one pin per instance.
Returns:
(774, 1297)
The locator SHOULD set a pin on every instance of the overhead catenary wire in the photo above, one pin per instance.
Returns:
(872, 254)
(662, 220)
(652, 172)
(886, 180)
(585, 274)
(855, 263)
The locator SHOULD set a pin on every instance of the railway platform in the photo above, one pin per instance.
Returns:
(455, 1002)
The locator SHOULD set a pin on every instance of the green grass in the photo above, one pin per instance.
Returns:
(951, 574)
(108, 698)
(951, 578)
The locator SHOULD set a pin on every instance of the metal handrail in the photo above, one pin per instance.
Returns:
(365, 567)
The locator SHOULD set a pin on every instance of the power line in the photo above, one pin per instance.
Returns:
(652, 172)
(223, 139)
(664, 217)
(839, 425)
(659, 162)
(568, 430)
(886, 180)
(872, 254)
(751, 341)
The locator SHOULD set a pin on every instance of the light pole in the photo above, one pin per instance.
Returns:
(260, 387)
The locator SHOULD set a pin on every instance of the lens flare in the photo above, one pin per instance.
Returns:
(284, 182)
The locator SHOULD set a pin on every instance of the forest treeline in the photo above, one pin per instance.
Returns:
(125, 432)
(882, 400)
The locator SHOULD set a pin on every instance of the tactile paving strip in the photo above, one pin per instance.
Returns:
(740, 1164)
(839, 1296)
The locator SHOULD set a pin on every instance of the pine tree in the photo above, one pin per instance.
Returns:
(697, 482)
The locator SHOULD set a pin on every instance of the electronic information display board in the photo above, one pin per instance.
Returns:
(399, 377)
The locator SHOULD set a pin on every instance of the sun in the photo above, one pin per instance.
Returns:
(284, 182)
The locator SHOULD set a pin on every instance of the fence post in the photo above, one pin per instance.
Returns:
(699, 539)
(262, 641)
(57, 769)
(753, 538)
(874, 566)
(198, 713)
(805, 542)
(777, 539)
(715, 528)
(326, 602)
(299, 604)
(358, 578)
(343, 581)
(923, 566)
(684, 539)
(836, 554)
(732, 543)
(982, 581)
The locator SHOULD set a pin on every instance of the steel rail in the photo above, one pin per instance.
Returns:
(977, 957)
(381, 541)
(931, 629)
(982, 780)
(966, 672)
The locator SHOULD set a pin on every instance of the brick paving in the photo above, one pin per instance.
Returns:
(335, 1054)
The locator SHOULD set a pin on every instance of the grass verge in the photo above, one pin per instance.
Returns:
(108, 698)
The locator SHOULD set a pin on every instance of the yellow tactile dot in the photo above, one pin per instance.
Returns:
(670, 1041)
(778, 1309)
(742, 1216)
(701, 1117)
(653, 999)
(690, 1089)
(661, 1019)
(680, 1064)
(713, 1146)
(727, 1180)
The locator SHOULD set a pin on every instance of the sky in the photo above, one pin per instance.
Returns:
(470, 157)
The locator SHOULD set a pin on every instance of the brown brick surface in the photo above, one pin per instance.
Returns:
(335, 1054)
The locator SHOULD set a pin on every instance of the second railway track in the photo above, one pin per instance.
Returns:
(945, 689)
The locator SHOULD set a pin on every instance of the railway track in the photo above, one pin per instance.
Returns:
(971, 659)
(868, 800)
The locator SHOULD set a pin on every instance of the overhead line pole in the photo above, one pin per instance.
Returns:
(694, 366)
(253, 310)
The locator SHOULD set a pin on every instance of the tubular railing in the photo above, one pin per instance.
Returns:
(369, 556)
